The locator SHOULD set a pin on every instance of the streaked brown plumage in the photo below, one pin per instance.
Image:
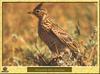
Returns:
(56, 38)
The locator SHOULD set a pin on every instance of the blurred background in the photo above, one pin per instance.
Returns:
(21, 44)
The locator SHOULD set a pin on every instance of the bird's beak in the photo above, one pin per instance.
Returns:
(30, 12)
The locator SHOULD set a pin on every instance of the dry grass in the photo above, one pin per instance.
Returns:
(21, 44)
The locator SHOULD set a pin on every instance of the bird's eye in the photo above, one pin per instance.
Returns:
(38, 11)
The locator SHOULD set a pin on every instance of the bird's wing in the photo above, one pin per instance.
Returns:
(61, 34)
(64, 37)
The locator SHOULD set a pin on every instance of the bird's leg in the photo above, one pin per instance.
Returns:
(57, 50)
(56, 53)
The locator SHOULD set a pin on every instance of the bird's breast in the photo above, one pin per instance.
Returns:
(43, 32)
(44, 29)
(49, 39)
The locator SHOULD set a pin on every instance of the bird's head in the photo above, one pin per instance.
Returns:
(39, 11)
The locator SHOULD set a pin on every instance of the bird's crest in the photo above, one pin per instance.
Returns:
(38, 6)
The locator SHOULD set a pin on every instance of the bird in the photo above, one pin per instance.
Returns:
(57, 39)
